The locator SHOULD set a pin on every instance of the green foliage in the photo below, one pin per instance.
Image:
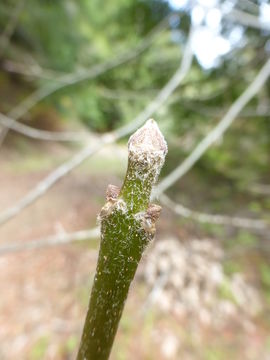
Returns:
(214, 353)
(225, 292)
(67, 36)
(245, 238)
(212, 229)
(255, 206)
(231, 267)
(71, 344)
(265, 279)
(39, 349)
(265, 274)
(268, 343)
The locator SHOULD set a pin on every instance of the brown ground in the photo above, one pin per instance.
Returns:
(41, 290)
(44, 293)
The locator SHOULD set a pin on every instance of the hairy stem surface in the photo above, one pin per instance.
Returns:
(127, 225)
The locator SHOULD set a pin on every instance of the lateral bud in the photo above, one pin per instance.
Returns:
(112, 193)
(149, 218)
(153, 212)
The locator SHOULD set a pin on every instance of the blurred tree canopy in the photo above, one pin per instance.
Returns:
(63, 37)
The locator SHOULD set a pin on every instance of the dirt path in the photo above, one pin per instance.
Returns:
(44, 293)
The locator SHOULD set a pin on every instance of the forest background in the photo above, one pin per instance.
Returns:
(76, 78)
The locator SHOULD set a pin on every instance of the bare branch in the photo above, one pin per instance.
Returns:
(213, 219)
(217, 131)
(242, 251)
(74, 78)
(249, 5)
(31, 70)
(124, 94)
(260, 189)
(43, 186)
(188, 163)
(108, 138)
(218, 112)
(42, 134)
(54, 240)
(247, 19)
(11, 26)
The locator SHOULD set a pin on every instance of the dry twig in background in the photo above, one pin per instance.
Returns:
(217, 219)
(108, 138)
(217, 131)
(74, 78)
(53, 240)
(67, 136)
(246, 19)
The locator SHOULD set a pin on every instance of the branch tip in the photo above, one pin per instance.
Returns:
(148, 139)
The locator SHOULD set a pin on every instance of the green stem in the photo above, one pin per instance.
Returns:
(127, 226)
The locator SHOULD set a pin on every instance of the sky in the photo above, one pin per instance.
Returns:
(208, 43)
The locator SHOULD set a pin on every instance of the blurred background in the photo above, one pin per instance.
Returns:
(76, 78)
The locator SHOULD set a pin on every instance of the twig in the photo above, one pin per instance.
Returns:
(217, 131)
(248, 223)
(117, 94)
(260, 189)
(108, 138)
(43, 186)
(127, 226)
(10, 27)
(74, 78)
(213, 219)
(213, 112)
(241, 251)
(54, 240)
(42, 134)
(179, 209)
(250, 5)
(247, 19)
(32, 70)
